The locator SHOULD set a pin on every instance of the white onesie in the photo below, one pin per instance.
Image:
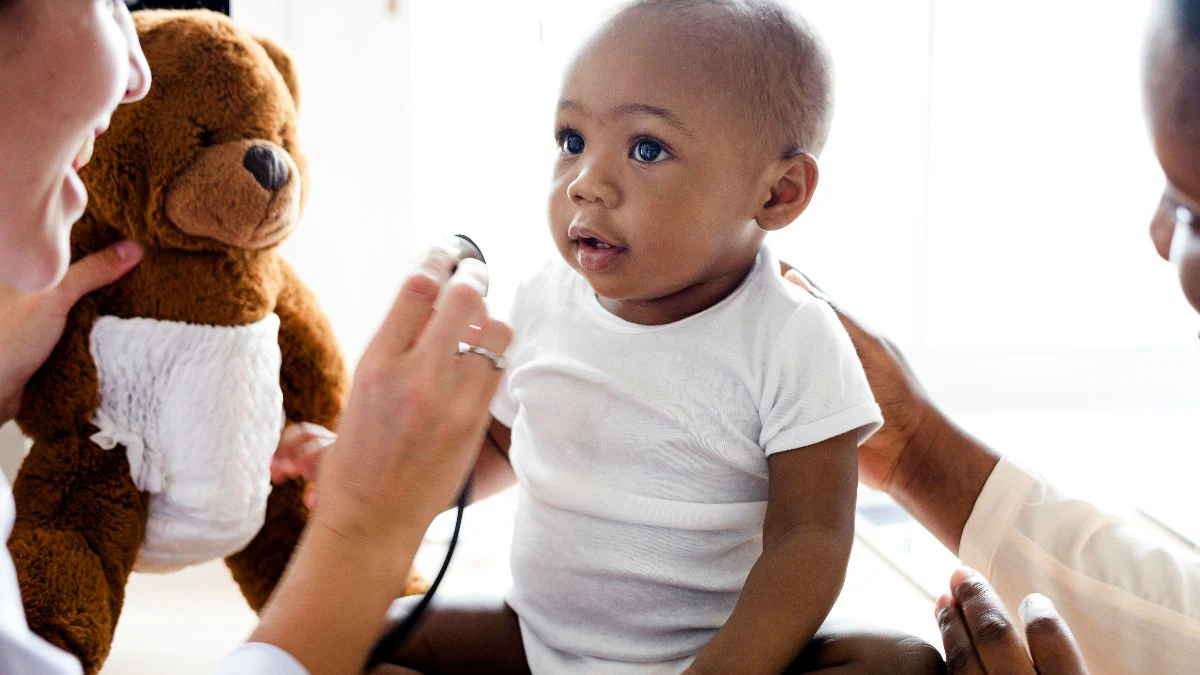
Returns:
(199, 410)
(641, 453)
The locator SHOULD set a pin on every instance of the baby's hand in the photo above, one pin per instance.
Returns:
(299, 456)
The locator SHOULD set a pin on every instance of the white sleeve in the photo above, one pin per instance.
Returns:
(21, 651)
(504, 407)
(259, 658)
(504, 404)
(814, 385)
(1133, 605)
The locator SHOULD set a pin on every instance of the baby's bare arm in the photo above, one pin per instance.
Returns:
(807, 535)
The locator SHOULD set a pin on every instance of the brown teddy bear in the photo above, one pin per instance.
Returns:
(155, 420)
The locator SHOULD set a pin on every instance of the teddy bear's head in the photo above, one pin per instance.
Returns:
(208, 161)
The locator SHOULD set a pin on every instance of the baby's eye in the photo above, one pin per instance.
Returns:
(649, 152)
(570, 143)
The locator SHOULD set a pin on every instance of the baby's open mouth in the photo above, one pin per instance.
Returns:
(598, 243)
(593, 253)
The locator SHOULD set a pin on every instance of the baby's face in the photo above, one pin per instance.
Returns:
(1171, 97)
(657, 181)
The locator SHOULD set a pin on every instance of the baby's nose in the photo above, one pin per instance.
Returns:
(268, 167)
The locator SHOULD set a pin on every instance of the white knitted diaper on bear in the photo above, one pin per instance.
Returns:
(199, 411)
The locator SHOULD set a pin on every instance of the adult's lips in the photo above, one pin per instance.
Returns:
(85, 153)
(88, 147)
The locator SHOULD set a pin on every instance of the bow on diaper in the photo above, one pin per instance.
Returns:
(145, 467)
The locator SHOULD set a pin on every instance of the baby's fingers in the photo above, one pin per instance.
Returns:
(300, 451)
(1050, 641)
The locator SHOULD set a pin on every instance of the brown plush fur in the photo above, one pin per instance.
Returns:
(170, 175)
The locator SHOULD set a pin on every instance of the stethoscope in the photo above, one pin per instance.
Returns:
(395, 636)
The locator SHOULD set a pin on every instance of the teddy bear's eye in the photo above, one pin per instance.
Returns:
(206, 138)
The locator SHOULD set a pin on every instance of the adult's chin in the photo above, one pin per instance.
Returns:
(39, 259)
(32, 267)
(73, 201)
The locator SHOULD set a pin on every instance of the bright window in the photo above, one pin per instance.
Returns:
(984, 198)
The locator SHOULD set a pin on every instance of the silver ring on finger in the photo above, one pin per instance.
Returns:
(499, 362)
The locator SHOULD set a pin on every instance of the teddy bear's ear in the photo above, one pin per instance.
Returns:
(283, 62)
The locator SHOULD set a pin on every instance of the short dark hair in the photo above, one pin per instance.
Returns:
(1189, 20)
(1173, 66)
(779, 65)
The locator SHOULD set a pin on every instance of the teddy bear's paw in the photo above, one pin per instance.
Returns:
(67, 597)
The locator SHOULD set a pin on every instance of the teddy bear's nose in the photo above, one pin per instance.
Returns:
(268, 167)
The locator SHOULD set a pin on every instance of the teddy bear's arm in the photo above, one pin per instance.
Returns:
(314, 376)
(314, 383)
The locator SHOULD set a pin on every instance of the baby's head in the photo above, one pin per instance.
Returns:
(686, 130)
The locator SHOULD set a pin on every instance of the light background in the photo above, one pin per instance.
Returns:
(984, 200)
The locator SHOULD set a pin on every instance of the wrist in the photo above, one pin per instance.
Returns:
(919, 452)
(940, 475)
(369, 545)
(332, 601)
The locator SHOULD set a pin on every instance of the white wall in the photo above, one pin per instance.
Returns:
(354, 62)
(355, 65)
(984, 200)
(984, 196)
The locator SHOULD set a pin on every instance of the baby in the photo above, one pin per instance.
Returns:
(681, 421)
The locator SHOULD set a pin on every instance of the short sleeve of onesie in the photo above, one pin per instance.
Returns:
(814, 386)
(504, 405)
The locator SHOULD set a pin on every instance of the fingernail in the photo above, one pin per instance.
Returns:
(1035, 605)
(128, 250)
(313, 446)
(318, 430)
(422, 283)
(474, 273)
(437, 262)
(961, 576)
(942, 603)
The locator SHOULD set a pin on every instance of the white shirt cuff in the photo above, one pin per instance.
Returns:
(1002, 498)
(866, 418)
(259, 658)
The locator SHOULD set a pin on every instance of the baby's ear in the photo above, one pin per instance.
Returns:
(283, 63)
(795, 181)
